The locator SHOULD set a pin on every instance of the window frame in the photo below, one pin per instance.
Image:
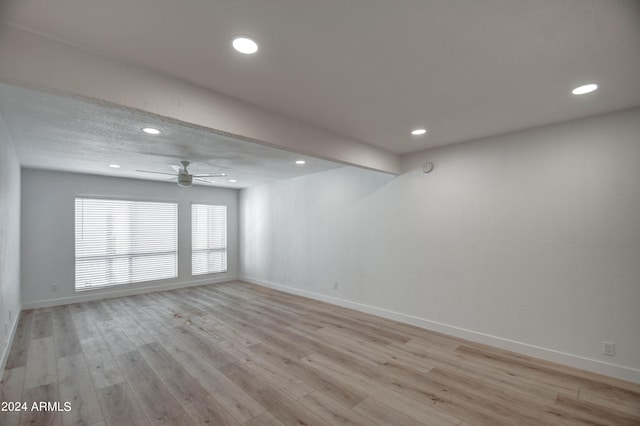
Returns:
(131, 255)
(224, 250)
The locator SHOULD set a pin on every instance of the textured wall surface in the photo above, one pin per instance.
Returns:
(9, 241)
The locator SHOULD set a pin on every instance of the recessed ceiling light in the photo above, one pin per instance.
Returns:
(245, 45)
(232, 180)
(584, 89)
(301, 162)
(114, 166)
(418, 132)
(151, 130)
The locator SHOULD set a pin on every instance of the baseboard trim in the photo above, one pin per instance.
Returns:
(12, 333)
(592, 365)
(113, 292)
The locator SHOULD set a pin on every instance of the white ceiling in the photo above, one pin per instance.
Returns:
(372, 70)
(72, 134)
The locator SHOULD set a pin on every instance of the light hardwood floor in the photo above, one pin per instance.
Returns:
(239, 354)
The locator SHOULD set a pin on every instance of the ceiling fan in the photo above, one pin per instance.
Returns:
(184, 178)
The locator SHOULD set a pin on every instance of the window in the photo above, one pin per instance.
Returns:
(208, 239)
(123, 242)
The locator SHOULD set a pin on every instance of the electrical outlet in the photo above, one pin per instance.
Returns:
(335, 285)
(54, 287)
(608, 348)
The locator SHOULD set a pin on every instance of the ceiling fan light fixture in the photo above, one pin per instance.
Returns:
(185, 180)
(182, 175)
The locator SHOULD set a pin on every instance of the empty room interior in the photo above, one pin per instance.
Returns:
(250, 212)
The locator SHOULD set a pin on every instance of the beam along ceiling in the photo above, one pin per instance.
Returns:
(72, 134)
(373, 70)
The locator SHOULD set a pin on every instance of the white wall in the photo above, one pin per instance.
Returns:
(9, 242)
(528, 241)
(48, 232)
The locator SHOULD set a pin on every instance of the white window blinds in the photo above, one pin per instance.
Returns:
(208, 239)
(122, 242)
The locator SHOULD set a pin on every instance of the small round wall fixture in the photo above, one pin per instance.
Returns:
(427, 167)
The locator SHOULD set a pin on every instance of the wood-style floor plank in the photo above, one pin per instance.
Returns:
(11, 388)
(420, 408)
(41, 415)
(237, 354)
(158, 403)
(42, 324)
(41, 363)
(101, 364)
(120, 405)
(264, 419)
(209, 411)
(615, 400)
(285, 409)
(115, 338)
(238, 403)
(18, 352)
(319, 380)
(64, 331)
(276, 376)
(331, 411)
(85, 323)
(75, 387)
(179, 382)
(382, 414)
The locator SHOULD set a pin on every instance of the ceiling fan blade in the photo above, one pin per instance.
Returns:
(210, 175)
(204, 180)
(157, 173)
